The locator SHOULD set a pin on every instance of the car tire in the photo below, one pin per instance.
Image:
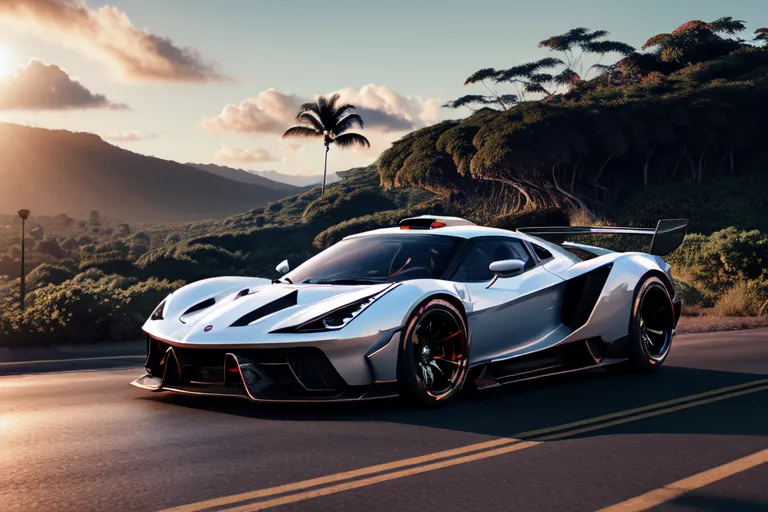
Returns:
(433, 359)
(651, 327)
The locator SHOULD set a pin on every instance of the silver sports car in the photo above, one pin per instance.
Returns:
(420, 310)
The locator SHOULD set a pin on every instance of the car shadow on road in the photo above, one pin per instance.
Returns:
(544, 403)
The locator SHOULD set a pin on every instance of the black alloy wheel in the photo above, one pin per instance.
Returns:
(434, 354)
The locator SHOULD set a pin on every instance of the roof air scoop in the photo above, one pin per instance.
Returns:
(433, 222)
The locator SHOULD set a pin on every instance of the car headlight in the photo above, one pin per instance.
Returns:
(157, 314)
(333, 320)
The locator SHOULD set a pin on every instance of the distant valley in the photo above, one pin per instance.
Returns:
(57, 171)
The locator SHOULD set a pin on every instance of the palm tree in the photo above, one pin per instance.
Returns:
(324, 119)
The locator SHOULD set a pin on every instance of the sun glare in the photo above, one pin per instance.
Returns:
(6, 62)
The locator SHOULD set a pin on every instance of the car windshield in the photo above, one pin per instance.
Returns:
(378, 259)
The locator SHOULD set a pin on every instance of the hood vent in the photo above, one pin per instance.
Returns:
(267, 309)
(198, 307)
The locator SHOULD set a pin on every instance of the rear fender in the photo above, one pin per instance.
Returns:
(609, 320)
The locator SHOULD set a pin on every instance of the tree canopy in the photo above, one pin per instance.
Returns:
(687, 108)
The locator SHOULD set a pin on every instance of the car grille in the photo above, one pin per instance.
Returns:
(294, 372)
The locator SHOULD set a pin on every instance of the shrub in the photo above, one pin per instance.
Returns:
(70, 245)
(111, 262)
(333, 208)
(90, 307)
(36, 232)
(724, 258)
(745, 298)
(172, 238)
(46, 274)
(191, 262)
(690, 294)
(50, 247)
(740, 202)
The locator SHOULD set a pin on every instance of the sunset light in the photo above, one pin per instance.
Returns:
(383, 256)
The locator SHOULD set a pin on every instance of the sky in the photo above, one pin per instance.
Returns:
(219, 81)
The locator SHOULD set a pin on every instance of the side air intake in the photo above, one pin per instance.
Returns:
(581, 294)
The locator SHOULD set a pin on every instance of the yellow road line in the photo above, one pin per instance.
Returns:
(488, 448)
(314, 482)
(354, 484)
(676, 489)
(688, 405)
(627, 412)
(77, 359)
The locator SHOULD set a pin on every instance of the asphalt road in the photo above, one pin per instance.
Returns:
(75, 436)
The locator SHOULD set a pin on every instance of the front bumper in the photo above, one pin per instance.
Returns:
(289, 374)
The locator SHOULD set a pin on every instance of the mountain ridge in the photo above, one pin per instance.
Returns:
(244, 176)
(60, 171)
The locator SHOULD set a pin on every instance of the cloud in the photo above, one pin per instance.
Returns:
(108, 33)
(272, 111)
(48, 87)
(294, 147)
(383, 108)
(269, 112)
(243, 155)
(129, 136)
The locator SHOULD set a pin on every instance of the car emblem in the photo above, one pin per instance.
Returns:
(207, 328)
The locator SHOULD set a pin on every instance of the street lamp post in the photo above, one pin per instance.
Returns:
(24, 214)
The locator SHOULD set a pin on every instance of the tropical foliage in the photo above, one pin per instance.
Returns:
(325, 118)
(546, 76)
(687, 110)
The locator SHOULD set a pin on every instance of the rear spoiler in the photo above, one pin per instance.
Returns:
(667, 236)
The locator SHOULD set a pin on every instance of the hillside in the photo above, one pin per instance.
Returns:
(55, 171)
(243, 176)
(688, 110)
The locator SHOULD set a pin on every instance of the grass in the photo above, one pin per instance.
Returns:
(717, 323)
(742, 299)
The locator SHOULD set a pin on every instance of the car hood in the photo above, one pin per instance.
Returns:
(257, 311)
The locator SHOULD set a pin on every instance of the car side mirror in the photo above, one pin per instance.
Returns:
(283, 267)
(505, 268)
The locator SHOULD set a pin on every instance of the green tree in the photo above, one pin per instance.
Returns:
(37, 232)
(540, 77)
(696, 41)
(50, 247)
(94, 219)
(324, 118)
(761, 35)
(587, 41)
(123, 229)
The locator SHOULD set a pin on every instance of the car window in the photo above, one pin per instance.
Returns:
(541, 252)
(388, 258)
(474, 266)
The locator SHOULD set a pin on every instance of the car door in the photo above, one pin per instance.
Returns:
(516, 312)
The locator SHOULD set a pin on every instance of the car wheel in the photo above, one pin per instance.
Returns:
(434, 354)
(651, 327)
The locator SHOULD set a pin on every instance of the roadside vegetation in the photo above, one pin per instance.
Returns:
(675, 129)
